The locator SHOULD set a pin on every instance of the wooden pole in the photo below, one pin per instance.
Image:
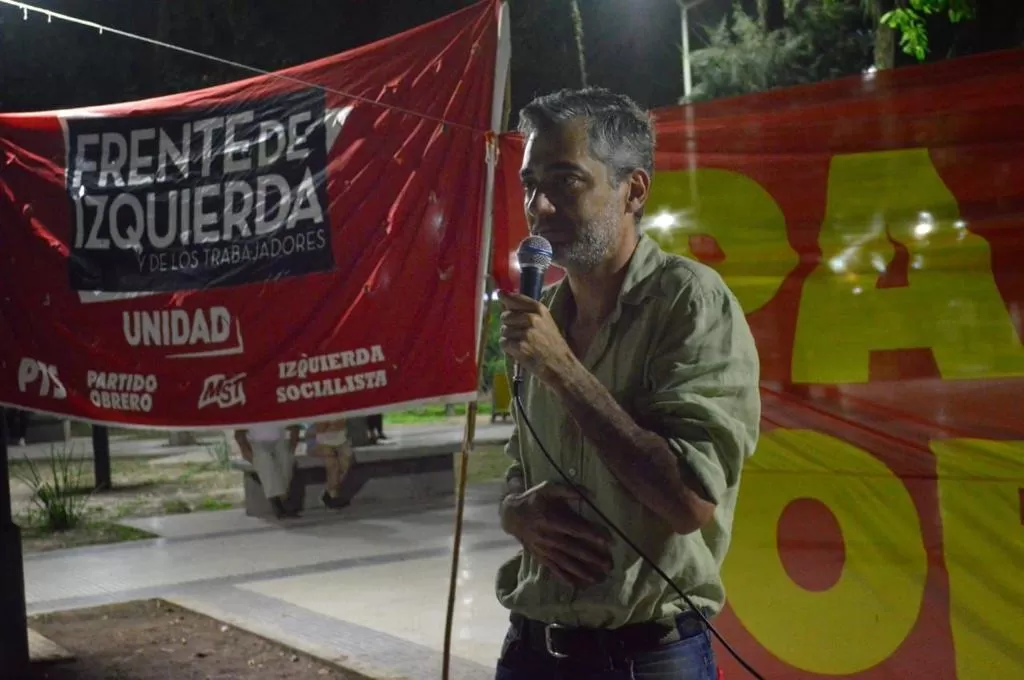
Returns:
(460, 495)
(499, 122)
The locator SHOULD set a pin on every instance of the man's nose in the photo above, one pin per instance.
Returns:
(539, 205)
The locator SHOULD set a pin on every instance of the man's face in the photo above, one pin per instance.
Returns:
(569, 199)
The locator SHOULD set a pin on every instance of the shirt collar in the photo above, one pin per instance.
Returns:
(647, 258)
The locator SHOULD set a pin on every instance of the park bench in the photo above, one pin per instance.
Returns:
(47, 429)
(411, 467)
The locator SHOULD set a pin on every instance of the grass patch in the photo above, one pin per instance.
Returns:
(177, 506)
(141, 488)
(141, 476)
(432, 414)
(486, 464)
(55, 489)
(180, 506)
(213, 505)
(144, 487)
(90, 532)
(80, 429)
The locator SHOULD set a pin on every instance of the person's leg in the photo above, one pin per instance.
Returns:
(692, 658)
(375, 425)
(333, 466)
(345, 460)
(338, 461)
(329, 454)
(275, 488)
(285, 460)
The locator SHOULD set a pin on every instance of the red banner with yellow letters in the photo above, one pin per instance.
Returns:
(873, 229)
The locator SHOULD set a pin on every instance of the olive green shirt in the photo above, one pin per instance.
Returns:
(678, 356)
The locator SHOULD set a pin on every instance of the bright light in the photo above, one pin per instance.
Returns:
(663, 221)
(837, 264)
(857, 290)
(959, 224)
(925, 224)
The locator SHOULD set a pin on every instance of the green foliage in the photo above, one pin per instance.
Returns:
(820, 41)
(58, 496)
(177, 506)
(435, 413)
(213, 504)
(494, 358)
(910, 21)
(220, 452)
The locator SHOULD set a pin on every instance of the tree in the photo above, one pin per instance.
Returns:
(546, 55)
(772, 14)
(577, 34)
(494, 357)
(909, 21)
(818, 41)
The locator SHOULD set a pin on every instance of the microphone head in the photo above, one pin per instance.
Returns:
(535, 251)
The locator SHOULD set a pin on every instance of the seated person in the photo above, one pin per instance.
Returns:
(271, 450)
(375, 427)
(329, 440)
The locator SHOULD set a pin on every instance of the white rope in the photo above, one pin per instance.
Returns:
(49, 14)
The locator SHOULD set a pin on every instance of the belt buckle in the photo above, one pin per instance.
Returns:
(547, 641)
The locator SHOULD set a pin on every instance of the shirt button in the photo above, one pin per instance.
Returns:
(572, 472)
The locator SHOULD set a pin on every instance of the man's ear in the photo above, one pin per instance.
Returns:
(638, 188)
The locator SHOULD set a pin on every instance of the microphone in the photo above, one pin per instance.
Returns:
(534, 256)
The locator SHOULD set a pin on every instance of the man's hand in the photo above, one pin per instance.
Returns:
(531, 337)
(576, 550)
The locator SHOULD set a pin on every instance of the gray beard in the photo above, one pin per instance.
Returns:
(589, 250)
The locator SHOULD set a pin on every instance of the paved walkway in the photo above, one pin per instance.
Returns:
(365, 587)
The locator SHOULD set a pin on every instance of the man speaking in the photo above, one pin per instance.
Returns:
(641, 383)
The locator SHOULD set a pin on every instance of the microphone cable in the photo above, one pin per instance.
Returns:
(521, 411)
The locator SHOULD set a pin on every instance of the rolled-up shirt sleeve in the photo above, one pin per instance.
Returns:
(703, 394)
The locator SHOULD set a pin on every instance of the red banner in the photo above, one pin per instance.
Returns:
(274, 249)
(873, 230)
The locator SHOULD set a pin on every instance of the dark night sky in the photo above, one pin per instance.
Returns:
(632, 45)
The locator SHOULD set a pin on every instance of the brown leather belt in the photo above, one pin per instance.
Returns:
(564, 642)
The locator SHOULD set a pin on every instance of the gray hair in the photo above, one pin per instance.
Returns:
(621, 134)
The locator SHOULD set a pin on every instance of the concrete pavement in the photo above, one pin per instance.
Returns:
(364, 588)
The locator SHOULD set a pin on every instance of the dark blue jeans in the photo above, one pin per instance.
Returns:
(691, 658)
